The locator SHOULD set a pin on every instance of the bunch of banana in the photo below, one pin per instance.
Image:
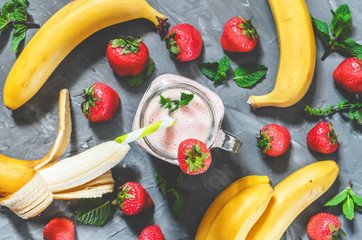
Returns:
(250, 209)
(61, 34)
(28, 187)
(297, 54)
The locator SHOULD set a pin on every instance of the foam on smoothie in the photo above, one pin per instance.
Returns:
(192, 121)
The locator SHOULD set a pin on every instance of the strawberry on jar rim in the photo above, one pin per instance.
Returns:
(273, 140)
(193, 156)
(184, 42)
(152, 232)
(133, 198)
(127, 56)
(100, 102)
(59, 229)
(239, 35)
(348, 75)
(324, 226)
(322, 138)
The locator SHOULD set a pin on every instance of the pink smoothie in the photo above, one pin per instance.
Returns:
(192, 121)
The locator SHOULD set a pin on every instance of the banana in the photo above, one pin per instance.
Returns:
(297, 54)
(61, 34)
(223, 198)
(291, 196)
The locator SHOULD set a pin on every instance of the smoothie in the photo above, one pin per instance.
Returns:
(194, 120)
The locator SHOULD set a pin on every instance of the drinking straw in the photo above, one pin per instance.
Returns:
(140, 133)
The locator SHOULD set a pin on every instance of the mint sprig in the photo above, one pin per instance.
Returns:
(248, 75)
(173, 194)
(13, 14)
(175, 104)
(216, 71)
(93, 211)
(341, 28)
(138, 80)
(350, 202)
(355, 110)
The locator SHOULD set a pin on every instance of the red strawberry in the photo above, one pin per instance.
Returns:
(59, 229)
(127, 56)
(101, 102)
(322, 138)
(348, 75)
(133, 199)
(193, 156)
(152, 232)
(324, 226)
(184, 42)
(239, 35)
(273, 140)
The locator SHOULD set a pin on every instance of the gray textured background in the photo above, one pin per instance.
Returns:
(29, 132)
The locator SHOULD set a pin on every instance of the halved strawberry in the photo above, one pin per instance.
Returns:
(59, 229)
(193, 156)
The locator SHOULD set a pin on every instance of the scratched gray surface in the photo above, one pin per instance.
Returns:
(29, 132)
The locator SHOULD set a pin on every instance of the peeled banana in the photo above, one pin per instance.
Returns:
(297, 54)
(236, 209)
(61, 34)
(291, 196)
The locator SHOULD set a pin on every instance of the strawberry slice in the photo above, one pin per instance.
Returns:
(59, 229)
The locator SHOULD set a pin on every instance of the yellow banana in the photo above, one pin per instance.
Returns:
(223, 198)
(291, 196)
(61, 34)
(297, 54)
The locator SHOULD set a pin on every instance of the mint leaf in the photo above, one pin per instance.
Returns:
(356, 199)
(341, 25)
(248, 75)
(3, 23)
(179, 204)
(18, 36)
(19, 14)
(216, 70)
(349, 47)
(186, 98)
(209, 69)
(162, 184)
(322, 30)
(139, 79)
(348, 208)
(337, 199)
(224, 64)
(93, 211)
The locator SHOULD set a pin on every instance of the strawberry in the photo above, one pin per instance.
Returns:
(193, 156)
(133, 198)
(127, 56)
(101, 102)
(348, 75)
(152, 232)
(184, 42)
(239, 35)
(322, 138)
(324, 226)
(59, 229)
(273, 140)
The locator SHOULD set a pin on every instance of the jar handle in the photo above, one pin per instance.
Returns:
(227, 141)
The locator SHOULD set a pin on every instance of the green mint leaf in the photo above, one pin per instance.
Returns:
(19, 14)
(179, 204)
(180, 179)
(350, 47)
(4, 24)
(186, 98)
(219, 78)
(322, 31)
(356, 113)
(248, 75)
(162, 184)
(337, 199)
(18, 36)
(348, 208)
(356, 199)
(341, 25)
(165, 102)
(209, 69)
(93, 211)
(224, 64)
(138, 80)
